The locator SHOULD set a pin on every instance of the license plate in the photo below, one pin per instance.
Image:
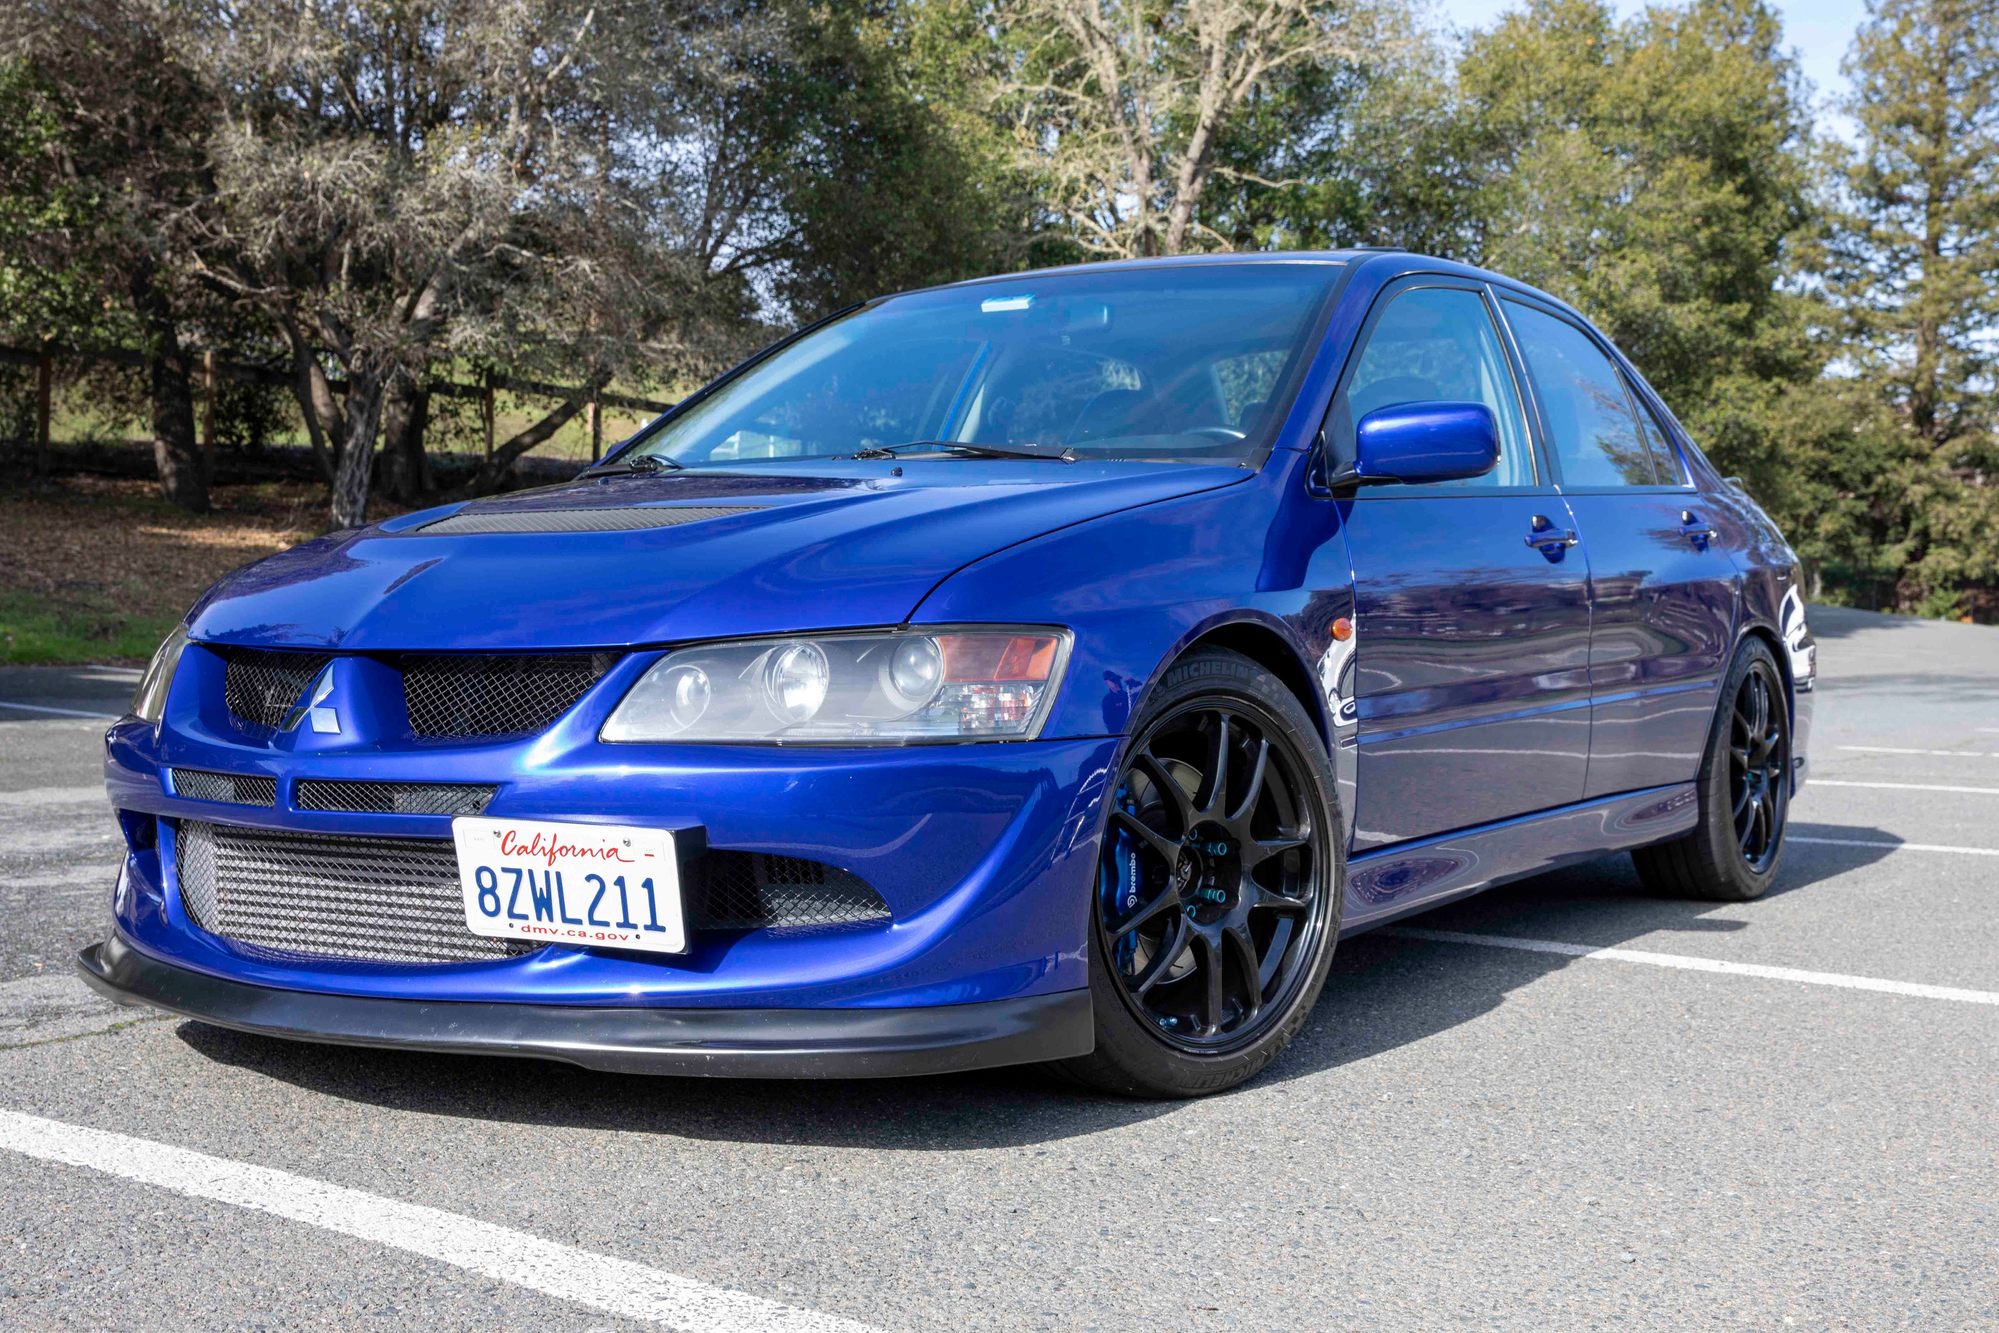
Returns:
(607, 886)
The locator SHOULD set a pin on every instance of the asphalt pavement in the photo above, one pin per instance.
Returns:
(1562, 1104)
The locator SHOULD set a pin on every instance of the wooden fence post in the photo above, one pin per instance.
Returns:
(44, 385)
(596, 411)
(208, 407)
(486, 411)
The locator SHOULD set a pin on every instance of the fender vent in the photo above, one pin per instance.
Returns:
(626, 518)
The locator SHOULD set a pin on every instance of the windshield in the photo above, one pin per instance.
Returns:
(1177, 362)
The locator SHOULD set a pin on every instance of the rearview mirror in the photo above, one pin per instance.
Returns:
(1415, 443)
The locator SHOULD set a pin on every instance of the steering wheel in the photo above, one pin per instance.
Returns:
(1225, 433)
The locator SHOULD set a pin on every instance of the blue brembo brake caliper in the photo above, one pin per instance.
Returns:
(1120, 884)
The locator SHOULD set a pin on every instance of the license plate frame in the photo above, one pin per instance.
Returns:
(599, 886)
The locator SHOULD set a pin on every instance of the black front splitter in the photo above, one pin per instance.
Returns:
(720, 1043)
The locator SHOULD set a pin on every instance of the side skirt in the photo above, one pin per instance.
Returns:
(1415, 876)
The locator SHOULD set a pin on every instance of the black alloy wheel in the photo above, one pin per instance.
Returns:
(1744, 792)
(1215, 905)
(1759, 768)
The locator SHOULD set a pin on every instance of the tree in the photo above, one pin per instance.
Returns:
(106, 161)
(1916, 261)
(1120, 107)
(1656, 173)
(396, 185)
(889, 170)
(1914, 272)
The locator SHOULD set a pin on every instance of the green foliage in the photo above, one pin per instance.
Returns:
(563, 191)
(891, 179)
(1912, 272)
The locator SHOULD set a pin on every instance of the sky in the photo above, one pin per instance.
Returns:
(1819, 30)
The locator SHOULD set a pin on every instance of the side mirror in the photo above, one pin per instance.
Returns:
(1414, 443)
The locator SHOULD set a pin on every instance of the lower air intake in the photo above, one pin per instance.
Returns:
(200, 784)
(397, 900)
(370, 797)
(752, 891)
(390, 900)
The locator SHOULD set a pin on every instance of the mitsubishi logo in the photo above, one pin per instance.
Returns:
(325, 720)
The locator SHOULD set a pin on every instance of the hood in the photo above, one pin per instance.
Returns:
(622, 560)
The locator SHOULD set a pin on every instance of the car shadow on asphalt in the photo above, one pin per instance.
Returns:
(1384, 992)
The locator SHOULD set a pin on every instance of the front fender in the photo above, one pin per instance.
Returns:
(1137, 587)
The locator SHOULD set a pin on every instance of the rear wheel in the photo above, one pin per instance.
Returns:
(1731, 855)
(1216, 905)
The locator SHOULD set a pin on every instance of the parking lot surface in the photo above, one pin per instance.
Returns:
(1564, 1103)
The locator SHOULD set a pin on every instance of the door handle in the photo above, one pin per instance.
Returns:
(1695, 530)
(1546, 536)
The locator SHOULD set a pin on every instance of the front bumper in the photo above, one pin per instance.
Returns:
(734, 1043)
(982, 854)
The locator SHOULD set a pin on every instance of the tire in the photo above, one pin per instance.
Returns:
(1208, 951)
(1719, 859)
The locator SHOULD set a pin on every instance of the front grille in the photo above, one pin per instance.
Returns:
(397, 900)
(753, 891)
(260, 687)
(392, 900)
(392, 798)
(200, 784)
(466, 696)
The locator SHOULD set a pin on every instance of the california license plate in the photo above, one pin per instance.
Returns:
(607, 886)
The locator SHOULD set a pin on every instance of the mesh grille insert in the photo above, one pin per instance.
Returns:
(260, 686)
(628, 518)
(392, 798)
(753, 891)
(397, 900)
(200, 784)
(462, 696)
(390, 900)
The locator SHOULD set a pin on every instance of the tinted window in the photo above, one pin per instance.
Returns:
(1665, 461)
(1589, 419)
(1438, 344)
(1190, 362)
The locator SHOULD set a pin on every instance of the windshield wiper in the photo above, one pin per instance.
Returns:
(961, 449)
(645, 465)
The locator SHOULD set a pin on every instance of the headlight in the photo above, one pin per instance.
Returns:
(151, 700)
(945, 685)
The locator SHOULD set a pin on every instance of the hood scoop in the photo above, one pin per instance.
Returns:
(621, 518)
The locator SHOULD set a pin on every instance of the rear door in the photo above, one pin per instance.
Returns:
(1663, 591)
(1470, 657)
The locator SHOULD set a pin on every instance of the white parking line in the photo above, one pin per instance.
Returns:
(1912, 988)
(1901, 786)
(1897, 749)
(57, 712)
(36, 798)
(1894, 846)
(615, 1286)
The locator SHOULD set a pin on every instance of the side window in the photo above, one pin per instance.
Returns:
(1438, 344)
(1590, 424)
(1665, 459)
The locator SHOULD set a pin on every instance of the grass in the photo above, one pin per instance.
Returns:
(98, 571)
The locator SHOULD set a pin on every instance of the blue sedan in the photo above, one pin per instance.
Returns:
(1050, 668)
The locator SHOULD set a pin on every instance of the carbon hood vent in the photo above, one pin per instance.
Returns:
(623, 518)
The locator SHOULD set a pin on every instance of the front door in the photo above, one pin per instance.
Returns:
(1471, 651)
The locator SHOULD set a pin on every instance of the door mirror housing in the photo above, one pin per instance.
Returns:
(1417, 443)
